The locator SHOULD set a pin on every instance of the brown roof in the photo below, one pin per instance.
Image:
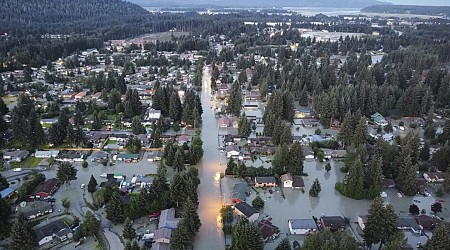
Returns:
(267, 229)
(49, 186)
(428, 222)
(297, 181)
(387, 183)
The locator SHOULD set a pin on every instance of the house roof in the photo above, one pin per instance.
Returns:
(307, 150)
(128, 156)
(245, 209)
(303, 224)
(297, 181)
(428, 222)
(333, 222)
(267, 229)
(232, 148)
(163, 233)
(167, 219)
(403, 222)
(240, 191)
(47, 186)
(33, 208)
(286, 177)
(377, 117)
(160, 246)
(6, 192)
(16, 153)
(267, 179)
(54, 227)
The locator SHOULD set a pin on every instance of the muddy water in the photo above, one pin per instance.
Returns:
(210, 235)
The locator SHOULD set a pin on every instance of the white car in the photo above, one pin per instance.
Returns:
(82, 186)
(103, 175)
(402, 128)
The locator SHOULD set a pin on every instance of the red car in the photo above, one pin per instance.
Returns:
(154, 215)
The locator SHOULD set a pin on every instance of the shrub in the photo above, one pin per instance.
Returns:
(85, 164)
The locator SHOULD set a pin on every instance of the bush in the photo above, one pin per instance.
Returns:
(340, 187)
(104, 162)
(440, 192)
(227, 229)
(413, 125)
(85, 164)
(258, 202)
(401, 123)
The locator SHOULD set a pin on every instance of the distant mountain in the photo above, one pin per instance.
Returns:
(409, 9)
(257, 3)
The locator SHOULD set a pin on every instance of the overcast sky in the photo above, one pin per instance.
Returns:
(421, 2)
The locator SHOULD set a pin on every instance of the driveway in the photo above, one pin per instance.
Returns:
(113, 239)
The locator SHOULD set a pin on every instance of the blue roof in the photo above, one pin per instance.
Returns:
(6, 192)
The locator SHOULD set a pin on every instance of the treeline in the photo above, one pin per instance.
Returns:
(409, 9)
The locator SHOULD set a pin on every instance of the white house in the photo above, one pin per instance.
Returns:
(308, 153)
(16, 155)
(302, 226)
(434, 176)
(232, 151)
(46, 154)
(286, 180)
(244, 209)
(54, 230)
(153, 114)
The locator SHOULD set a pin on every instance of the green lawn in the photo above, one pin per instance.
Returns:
(29, 162)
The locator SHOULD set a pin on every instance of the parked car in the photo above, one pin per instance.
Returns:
(82, 186)
(103, 175)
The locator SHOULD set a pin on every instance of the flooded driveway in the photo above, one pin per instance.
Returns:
(210, 235)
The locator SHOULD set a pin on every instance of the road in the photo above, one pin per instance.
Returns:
(210, 235)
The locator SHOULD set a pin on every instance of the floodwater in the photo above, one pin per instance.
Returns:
(210, 235)
(299, 205)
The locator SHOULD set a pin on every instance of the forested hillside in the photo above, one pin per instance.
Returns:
(62, 16)
(409, 9)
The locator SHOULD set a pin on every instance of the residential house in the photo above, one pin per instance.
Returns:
(240, 192)
(286, 180)
(297, 182)
(46, 154)
(265, 181)
(407, 223)
(16, 155)
(259, 141)
(153, 156)
(141, 181)
(229, 139)
(387, 183)
(428, 222)
(224, 122)
(80, 95)
(35, 209)
(98, 156)
(302, 226)
(7, 193)
(263, 150)
(71, 156)
(182, 139)
(127, 157)
(58, 230)
(244, 209)
(144, 139)
(49, 121)
(232, 151)
(162, 235)
(45, 189)
(308, 153)
(303, 112)
(268, 230)
(434, 176)
(96, 96)
(152, 114)
(379, 119)
(421, 185)
(334, 223)
(167, 219)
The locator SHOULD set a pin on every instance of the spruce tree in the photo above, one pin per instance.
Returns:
(175, 108)
(92, 185)
(136, 126)
(246, 235)
(354, 187)
(374, 176)
(360, 135)
(284, 245)
(128, 232)
(440, 239)
(295, 165)
(178, 162)
(114, 210)
(22, 235)
(244, 127)
(406, 179)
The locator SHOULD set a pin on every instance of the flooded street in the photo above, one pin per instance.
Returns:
(210, 235)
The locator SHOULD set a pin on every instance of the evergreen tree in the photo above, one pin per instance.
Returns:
(22, 235)
(446, 183)
(354, 186)
(246, 235)
(178, 162)
(440, 239)
(258, 202)
(346, 130)
(175, 108)
(424, 154)
(66, 173)
(92, 185)
(114, 210)
(414, 209)
(96, 122)
(374, 176)
(406, 179)
(235, 100)
(128, 231)
(327, 240)
(315, 188)
(5, 211)
(295, 165)
(36, 136)
(360, 135)
(284, 245)
(381, 226)
(136, 126)
(244, 129)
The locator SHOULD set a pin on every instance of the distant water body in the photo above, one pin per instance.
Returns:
(309, 11)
